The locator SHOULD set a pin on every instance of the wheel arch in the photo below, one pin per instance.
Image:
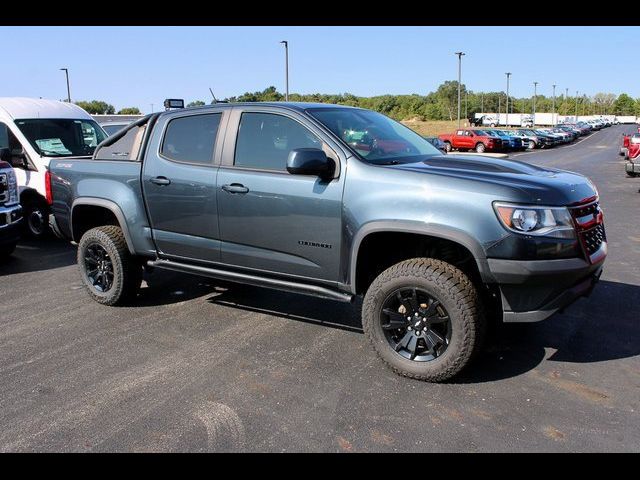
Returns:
(77, 217)
(428, 232)
(29, 193)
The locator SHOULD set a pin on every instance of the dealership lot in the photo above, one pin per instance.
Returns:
(201, 365)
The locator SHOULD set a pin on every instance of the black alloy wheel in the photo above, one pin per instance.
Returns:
(98, 267)
(415, 324)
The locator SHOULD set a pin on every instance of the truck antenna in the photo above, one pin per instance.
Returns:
(214, 97)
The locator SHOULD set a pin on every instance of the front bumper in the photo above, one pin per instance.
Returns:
(10, 222)
(534, 290)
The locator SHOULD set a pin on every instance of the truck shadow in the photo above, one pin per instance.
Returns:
(602, 327)
(38, 255)
(303, 308)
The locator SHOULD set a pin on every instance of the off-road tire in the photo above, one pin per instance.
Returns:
(458, 296)
(127, 269)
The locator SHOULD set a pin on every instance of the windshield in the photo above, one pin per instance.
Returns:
(61, 137)
(375, 137)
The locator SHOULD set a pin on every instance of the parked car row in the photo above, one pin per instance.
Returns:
(507, 140)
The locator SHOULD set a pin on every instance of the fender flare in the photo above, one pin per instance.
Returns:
(109, 205)
(420, 228)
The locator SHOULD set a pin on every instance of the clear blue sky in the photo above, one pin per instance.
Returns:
(137, 66)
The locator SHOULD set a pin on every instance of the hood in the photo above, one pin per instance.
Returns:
(534, 184)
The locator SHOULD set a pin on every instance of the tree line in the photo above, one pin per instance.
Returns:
(439, 105)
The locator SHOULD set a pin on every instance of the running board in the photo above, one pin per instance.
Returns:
(274, 283)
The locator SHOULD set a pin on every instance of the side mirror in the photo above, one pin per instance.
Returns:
(5, 155)
(310, 161)
(19, 158)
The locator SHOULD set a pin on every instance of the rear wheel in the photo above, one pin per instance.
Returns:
(480, 148)
(110, 273)
(36, 214)
(424, 319)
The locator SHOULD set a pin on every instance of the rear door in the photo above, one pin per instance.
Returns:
(271, 220)
(179, 182)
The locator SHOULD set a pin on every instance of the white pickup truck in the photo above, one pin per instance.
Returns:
(36, 131)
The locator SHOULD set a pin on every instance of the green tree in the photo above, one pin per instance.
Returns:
(624, 105)
(196, 103)
(97, 107)
(129, 111)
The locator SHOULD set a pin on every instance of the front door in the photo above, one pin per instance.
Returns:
(179, 183)
(271, 220)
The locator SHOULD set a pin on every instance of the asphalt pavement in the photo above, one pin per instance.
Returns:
(201, 365)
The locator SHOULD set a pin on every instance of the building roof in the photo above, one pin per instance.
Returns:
(119, 119)
(24, 107)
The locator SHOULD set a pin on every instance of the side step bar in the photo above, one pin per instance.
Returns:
(274, 283)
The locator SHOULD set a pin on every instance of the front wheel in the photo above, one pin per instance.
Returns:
(480, 148)
(447, 147)
(532, 145)
(110, 273)
(424, 319)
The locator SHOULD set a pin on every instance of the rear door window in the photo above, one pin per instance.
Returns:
(191, 139)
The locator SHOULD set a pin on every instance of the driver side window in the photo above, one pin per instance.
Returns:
(9, 141)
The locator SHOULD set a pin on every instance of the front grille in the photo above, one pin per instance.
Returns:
(589, 224)
(593, 238)
(4, 194)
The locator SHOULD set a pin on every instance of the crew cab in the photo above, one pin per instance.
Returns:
(471, 139)
(337, 202)
(10, 209)
(36, 131)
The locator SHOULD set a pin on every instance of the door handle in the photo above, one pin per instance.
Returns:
(235, 188)
(160, 180)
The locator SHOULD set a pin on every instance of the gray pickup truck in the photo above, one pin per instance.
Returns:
(335, 202)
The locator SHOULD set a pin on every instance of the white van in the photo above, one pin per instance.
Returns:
(35, 131)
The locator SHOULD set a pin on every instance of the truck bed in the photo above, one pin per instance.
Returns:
(117, 183)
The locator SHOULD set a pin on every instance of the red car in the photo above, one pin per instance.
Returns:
(471, 139)
(632, 154)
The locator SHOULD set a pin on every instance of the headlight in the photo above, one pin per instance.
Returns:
(12, 187)
(553, 222)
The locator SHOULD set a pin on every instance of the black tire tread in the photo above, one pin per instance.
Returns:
(460, 289)
(129, 282)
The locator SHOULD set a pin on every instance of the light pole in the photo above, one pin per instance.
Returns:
(506, 119)
(576, 105)
(286, 69)
(459, 54)
(466, 104)
(66, 71)
(535, 94)
(482, 102)
(553, 108)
